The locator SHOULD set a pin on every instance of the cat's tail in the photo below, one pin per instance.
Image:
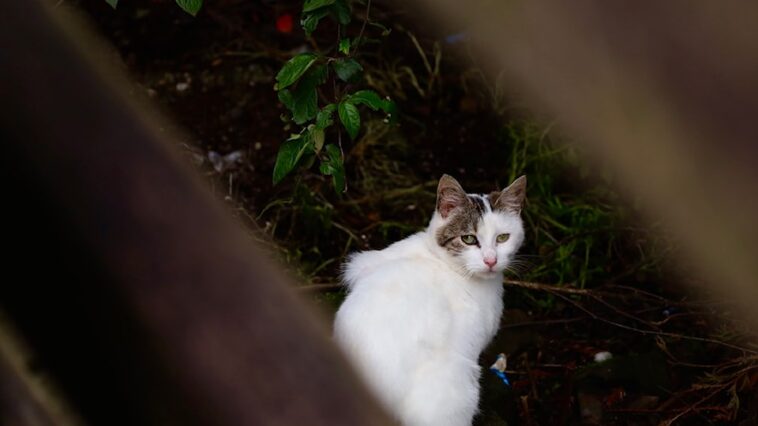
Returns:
(356, 265)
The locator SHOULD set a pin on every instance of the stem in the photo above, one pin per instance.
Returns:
(339, 143)
(336, 102)
(363, 28)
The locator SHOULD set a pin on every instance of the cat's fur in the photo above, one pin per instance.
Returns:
(419, 312)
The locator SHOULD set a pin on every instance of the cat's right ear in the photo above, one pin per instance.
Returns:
(450, 195)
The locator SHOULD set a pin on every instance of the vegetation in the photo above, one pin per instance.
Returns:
(299, 82)
(593, 276)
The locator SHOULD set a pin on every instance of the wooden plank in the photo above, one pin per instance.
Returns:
(160, 304)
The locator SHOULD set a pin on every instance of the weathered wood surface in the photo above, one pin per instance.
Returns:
(139, 292)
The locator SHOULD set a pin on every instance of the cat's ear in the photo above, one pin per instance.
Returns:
(450, 195)
(510, 199)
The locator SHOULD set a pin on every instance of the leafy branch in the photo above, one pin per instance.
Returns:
(298, 83)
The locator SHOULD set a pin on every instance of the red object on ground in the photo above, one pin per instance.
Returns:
(284, 23)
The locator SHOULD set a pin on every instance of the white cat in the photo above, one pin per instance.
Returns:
(419, 312)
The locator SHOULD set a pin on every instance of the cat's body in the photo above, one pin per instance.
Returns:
(419, 312)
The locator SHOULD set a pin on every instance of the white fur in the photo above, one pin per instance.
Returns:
(416, 319)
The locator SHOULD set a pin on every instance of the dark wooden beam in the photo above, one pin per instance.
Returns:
(138, 291)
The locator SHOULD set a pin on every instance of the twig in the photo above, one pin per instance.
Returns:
(391, 194)
(532, 381)
(346, 230)
(421, 52)
(546, 287)
(321, 287)
(659, 411)
(363, 28)
(620, 312)
(695, 405)
(538, 323)
(653, 332)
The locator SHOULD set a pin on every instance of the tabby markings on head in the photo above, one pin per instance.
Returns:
(463, 221)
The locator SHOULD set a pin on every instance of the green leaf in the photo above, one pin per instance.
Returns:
(334, 166)
(318, 137)
(324, 117)
(112, 3)
(342, 12)
(289, 155)
(190, 6)
(305, 96)
(294, 69)
(390, 109)
(367, 97)
(305, 105)
(310, 21)
(285, 97)
(311, 5)
(346, 68)
(350, 118)
(344, 46)
(372, 100)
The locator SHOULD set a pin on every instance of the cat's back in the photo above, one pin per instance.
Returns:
(404, 260)
(396, 297)
(393, 319)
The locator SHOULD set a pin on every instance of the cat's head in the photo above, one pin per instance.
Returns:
(480, 233)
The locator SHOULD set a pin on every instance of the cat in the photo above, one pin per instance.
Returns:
(419, 312)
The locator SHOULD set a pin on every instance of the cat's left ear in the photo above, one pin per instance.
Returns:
(511, 199)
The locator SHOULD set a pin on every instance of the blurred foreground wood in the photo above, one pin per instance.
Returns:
(663, 93)
(133, 286)
(146, 303)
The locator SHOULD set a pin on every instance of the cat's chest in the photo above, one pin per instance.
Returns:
(476, 310)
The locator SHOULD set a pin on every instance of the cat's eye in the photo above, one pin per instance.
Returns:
(503, 238)
(469, 239)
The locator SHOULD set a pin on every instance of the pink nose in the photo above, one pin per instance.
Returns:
(490, 261)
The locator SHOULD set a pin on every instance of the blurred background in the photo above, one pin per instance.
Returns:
(602, 322)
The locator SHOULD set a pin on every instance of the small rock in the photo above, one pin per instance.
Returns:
(233, 157)
(603, 356)
(217, 161)
(224, 162)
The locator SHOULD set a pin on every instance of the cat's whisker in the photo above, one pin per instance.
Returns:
(513, 272)
(528, 256)
(519, 266)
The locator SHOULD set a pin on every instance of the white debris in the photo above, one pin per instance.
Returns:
(603, 356)
(224, 162)
(501, 364)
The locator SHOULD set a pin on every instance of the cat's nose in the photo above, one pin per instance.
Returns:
(490, 261)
